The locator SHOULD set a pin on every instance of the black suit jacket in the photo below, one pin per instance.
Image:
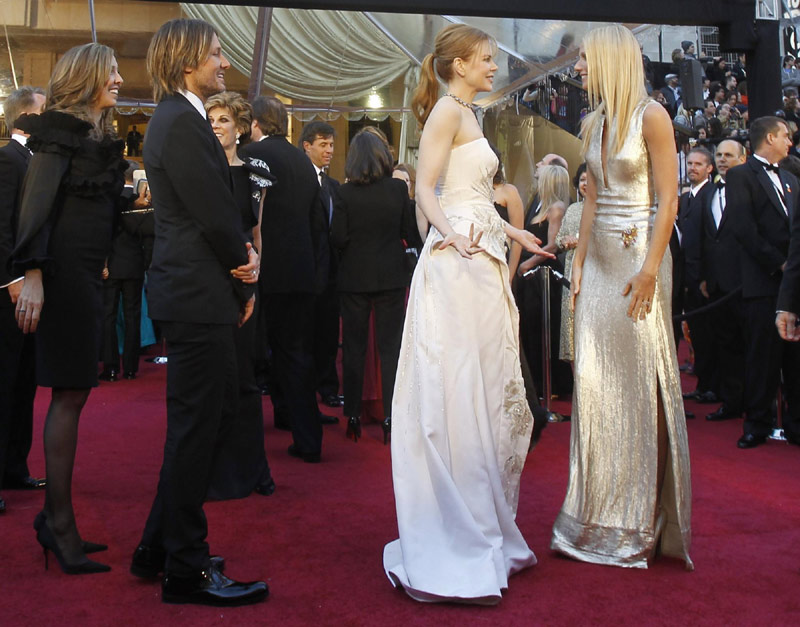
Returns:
(760, 225)
(369, 224)
(721, 267)
(197, 236)
(789, 294)
(690, 222)
(14, 158)
(291, 220)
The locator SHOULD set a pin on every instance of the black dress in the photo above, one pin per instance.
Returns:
(69, 201)
(241, 464)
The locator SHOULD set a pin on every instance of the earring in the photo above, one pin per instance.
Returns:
(238, 135)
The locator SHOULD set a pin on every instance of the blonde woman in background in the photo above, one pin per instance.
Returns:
(629, 490)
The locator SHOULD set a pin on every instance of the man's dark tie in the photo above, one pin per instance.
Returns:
(720, 184)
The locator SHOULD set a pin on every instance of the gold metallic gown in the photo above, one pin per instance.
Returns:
(609, 514)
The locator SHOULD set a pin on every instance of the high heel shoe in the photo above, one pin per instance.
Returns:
(353, 428)
(47, 539)
(386, 425)
(88, 547)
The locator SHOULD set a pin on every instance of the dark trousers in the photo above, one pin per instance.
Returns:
(202, 392)
(131, 292)
(766, 356)
(326, 340)
(702, 334)
(290, 327)
(17, 390)
(390, 310)
(727, 328)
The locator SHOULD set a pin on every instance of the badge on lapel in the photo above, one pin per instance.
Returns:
(788, 188)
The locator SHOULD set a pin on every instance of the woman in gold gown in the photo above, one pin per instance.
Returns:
(629, 490)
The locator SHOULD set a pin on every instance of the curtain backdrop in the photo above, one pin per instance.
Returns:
(315, 56)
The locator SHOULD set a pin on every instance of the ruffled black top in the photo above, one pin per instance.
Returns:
(66, 163)
(251, 181)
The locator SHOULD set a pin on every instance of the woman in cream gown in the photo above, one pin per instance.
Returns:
(629, 490)
(461, 422)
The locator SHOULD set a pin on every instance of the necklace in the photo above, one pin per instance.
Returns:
(463, 103)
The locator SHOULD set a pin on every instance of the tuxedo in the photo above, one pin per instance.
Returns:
(17, 350)
(789, 294)
(198, 240)
(758, 215)
(720, 268)
(690, 221)
(292, 226)
(370, 223)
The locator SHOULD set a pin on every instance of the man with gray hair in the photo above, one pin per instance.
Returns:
(17, 383)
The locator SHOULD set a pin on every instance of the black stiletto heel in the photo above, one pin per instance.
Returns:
(386, 425)
(47, 539)
(88, 547)
(353, 428)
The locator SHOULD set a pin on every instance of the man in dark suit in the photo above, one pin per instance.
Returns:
(197, 294)
(17, 364)
(721, 279)
(760, 199)
(317, 140)
(291, 226)
(690, 222)
(672, 93)
(124, 277)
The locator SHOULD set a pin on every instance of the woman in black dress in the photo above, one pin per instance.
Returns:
(240, 466)
(69, 198)
(372, 216)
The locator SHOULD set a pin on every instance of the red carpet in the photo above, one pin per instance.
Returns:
(319, 539)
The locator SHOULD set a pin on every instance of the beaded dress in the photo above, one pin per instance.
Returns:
(461, 424)
(609, 515)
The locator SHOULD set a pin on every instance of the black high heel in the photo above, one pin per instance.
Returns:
(88, 547)
(47, 539)
(353, 428)
(386, 425)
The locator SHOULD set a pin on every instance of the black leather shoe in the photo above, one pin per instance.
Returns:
(211, 587)
(749, 440)
(28, 483)
(328, 420)
(707, 397)
(2, 506)
(309, 458)
(265, 488)
(722, 413)
(691, 396)
(130, 375)
(108, 375)
(148, 561)
(689, 414)
(332, 400)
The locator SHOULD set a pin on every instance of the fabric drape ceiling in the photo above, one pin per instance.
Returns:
(315, 56)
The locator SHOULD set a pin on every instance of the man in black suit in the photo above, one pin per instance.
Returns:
(760, 199)
(291, 226)
(690, 222)
(721, 279)
(317, 140)
(17, 381)
(672, 93)
(124, 277)
(197, 294)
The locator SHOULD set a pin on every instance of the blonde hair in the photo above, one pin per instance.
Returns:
(553, 188)
(455, 41)
(615, 82)
(178, 44)
(239, 108)
(76, 82)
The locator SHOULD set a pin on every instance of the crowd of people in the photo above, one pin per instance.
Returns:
(246, 241)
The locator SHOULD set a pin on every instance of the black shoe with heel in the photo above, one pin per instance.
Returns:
(46, 537)
(88, 547)
(386, 425)
(353, 428)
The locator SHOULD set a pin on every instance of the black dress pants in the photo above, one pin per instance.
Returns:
(131, 292)
(702, 334)
(389, 315)
(766, 356)
(326, 340)
(17, 391)
(202, 393)
(727, 328)
(290, 327)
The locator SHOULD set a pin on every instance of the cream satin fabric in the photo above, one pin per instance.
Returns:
(460, 421)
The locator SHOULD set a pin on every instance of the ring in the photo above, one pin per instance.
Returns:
(22, 311)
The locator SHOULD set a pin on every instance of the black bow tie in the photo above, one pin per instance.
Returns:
(720, 184)
(771, 167)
